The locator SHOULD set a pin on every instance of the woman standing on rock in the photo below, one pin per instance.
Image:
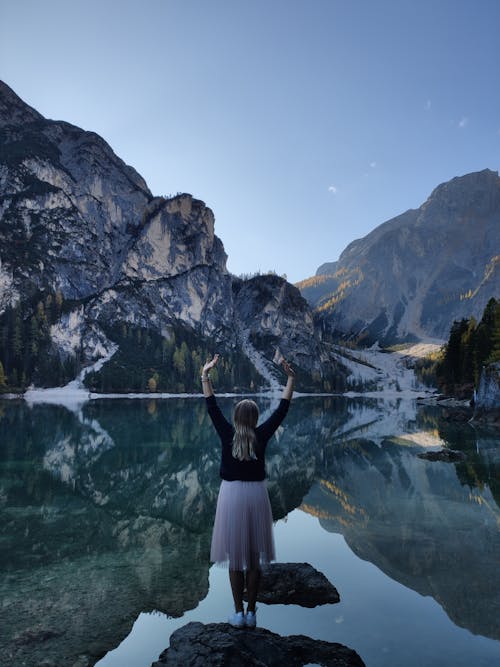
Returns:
(243, 531)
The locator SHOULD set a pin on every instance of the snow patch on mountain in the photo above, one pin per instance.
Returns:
(390, 373)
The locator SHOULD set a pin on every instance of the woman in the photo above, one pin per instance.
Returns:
(243, 530)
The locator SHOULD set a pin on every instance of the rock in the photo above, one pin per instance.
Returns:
(446, 455)
(37, 635)
(220, 644)
(444, 401)
(454, 409)
(295, 583)
(457, 414)
(487, 405)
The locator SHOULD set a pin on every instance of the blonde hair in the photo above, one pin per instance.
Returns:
(245, 416)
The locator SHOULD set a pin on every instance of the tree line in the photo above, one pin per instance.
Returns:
(456, 369)
(25, 345)
(148, 362)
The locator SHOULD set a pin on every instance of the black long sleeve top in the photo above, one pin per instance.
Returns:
(232, 469)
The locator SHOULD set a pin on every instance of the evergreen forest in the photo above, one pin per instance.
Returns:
(456, 369)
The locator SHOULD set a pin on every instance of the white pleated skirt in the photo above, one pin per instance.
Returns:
(242, 537)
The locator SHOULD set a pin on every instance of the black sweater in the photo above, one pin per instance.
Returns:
(232, 469)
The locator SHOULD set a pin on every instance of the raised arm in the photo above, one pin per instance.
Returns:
(222, 426)
(205, 378)
(288, 390)
(267, 429)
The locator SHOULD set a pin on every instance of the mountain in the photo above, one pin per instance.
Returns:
(412, 276)
(92, 265)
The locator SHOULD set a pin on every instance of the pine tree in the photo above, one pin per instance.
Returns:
(179, 359)
(16, 335)
(466, 374)
(40, 313)
(453, 355)
(58, 304)
(484, 337)
(33, 337)
(495, 335)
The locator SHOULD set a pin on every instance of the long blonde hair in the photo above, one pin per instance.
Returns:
(245, 416)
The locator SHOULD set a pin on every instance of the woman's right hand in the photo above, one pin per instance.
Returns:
(287, 368)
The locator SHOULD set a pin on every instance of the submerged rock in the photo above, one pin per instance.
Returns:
(220, 644)
(446, 455)
(295, 583)
(457, 414)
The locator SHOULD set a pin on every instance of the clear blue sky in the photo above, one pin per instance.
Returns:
(303, 124)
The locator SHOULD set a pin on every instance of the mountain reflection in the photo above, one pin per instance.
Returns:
(434, 527)
(107, 511)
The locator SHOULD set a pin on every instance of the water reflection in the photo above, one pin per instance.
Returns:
(106, 511)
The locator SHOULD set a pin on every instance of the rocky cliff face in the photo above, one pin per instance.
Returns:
(80, 226)
(71, 209)
(413, 275)
(487, 405)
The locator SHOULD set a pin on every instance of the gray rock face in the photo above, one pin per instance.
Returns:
(272, 313)
(487, 407)
(415, 274)
(269, 307)
(220, 644)
(70, 207)
(295, 583)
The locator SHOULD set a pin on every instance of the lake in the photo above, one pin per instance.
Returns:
(106, 511)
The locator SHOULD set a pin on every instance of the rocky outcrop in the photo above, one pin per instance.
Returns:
(487, 404)
(295, 583)
(70, 207)
(414, 275)
(220, 644)
(267, 310)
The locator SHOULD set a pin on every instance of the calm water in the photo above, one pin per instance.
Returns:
(106, 513)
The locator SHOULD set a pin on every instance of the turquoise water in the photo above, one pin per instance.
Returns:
(106, 513)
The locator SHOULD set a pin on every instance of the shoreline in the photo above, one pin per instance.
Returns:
(63, 395)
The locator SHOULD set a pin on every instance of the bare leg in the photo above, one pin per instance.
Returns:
(253, 580)
(237, 581)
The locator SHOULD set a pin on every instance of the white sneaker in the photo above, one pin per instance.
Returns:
(251, 619)
(237, 620)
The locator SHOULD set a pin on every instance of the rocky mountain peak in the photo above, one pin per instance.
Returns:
(176, 235)
(13, 111)
(412, 276)
(478, 192)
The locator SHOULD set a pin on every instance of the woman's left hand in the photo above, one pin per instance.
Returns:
(210, 364)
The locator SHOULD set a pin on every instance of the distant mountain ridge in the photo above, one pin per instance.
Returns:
(91, 261)
(413, 275)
